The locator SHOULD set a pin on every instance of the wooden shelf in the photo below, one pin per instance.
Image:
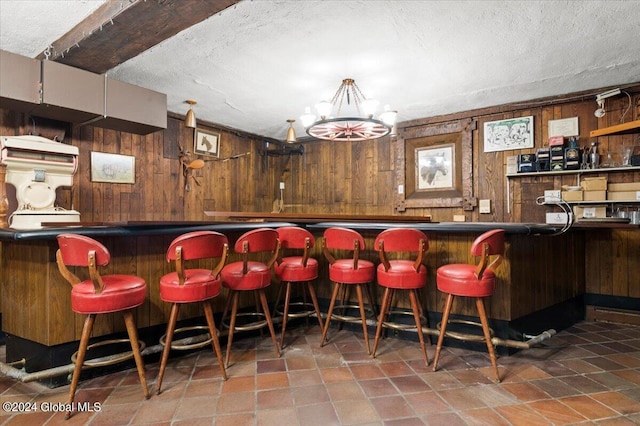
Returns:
(620, 129)
(578, 172)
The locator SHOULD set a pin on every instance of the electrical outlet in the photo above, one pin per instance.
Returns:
(281, 185)
(485, 206)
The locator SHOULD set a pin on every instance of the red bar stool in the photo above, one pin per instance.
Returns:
(345, 272)
(100, 294)
(401, 274)
(250, 275)
(297, 269)
(472, 281)
(195, 285)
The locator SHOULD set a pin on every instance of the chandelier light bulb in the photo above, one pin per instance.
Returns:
(369, 107)
(324, 109)
(307, 118)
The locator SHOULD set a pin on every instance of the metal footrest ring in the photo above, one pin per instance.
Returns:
(400, 326)
(188, 346)
(465, 336)
(307, 312)
(110, 359)
(349, 318)
(249, 326)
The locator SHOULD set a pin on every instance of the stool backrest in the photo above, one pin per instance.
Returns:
(198, 245)
(339, 238)
(79, 250)
(489, 244)
(258, 240)
(294, 237)
(402, 240)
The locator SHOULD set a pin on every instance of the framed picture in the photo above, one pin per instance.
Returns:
(504, 135)
(112, 168)
(206, 143)
(435, 167)
(563, 127)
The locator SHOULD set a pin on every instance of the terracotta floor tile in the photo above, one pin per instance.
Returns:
(364, 372)
(521, 415)
(345, 391)
(201, 406)
(525, 391)
(409, 384)
(427, 402)
(618, 402)
(275, 417)
(556, 412)
(588, 407)
(306, 395)
(332, 375)
(236, 402)
(317, 414)
(462, 398)
(378, 387)
(355, 412)
(448, 419)
(272, 380)
(483, 417)
(274, 398)
(392, 407)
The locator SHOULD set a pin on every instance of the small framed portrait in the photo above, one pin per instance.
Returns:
(435, 167)
(206, 143)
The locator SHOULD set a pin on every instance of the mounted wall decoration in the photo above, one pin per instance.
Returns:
(206, 143)
(112, 168)
(434, 167)
(504, 135)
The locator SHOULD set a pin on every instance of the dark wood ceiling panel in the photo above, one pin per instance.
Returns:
(120, 30)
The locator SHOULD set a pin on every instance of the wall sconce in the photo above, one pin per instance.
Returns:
(600, 112)
(190, 118)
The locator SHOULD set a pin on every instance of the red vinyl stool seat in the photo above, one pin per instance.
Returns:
(401, 274)
(100, 294)
(472, 281)
(353, 271)
(297, 269)
(250, 275)
(195, 285)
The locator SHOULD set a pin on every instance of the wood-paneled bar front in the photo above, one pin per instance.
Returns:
(42, 328)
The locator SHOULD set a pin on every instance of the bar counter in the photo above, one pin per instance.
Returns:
(540, 272)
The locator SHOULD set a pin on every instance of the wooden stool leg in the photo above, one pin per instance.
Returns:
(332, 303)
(386, 301)
(213, 331)
(171, 326)
(82, 352)
(413, 296)
(232, 324)
(487, 335)
(285, 312)
(363, 316)
(265, 308)
(443, 329)
(314, 300)
(135, 347)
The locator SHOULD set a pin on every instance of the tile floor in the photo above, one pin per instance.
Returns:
(588, 374)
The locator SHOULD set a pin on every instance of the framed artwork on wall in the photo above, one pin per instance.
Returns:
(206, 143)
(505, 135)
(434, 166)
(112, 168)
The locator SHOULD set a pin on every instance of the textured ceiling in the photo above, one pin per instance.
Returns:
(259, 63)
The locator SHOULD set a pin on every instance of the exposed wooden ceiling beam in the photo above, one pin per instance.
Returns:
(122, 29)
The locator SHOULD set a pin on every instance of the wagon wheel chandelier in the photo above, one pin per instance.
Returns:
(351, 128)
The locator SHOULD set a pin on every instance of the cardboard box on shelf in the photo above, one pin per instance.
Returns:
(589, 212)
(624, 196)
(594, 196)
(629, 186)
(572, 195)
(598, 183)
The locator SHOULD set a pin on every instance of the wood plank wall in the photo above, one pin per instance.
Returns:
(354, 178)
